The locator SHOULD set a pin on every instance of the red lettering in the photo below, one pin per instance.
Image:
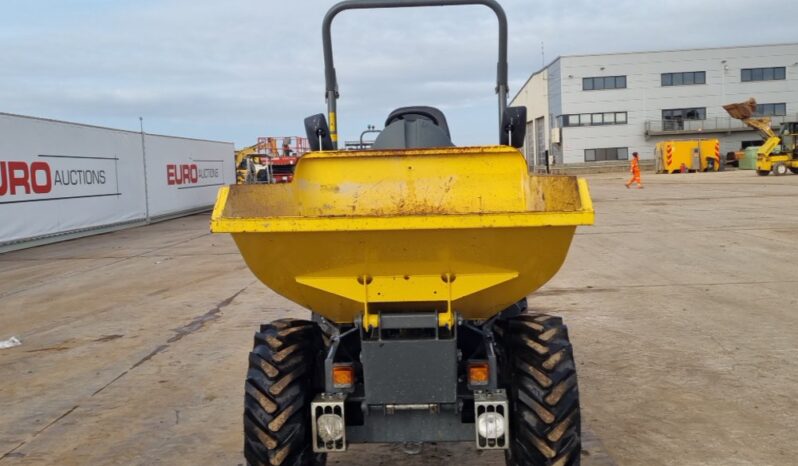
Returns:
(42, 168)
(182, 174)
(18, 178)
(171, 170)
(15, 181)
(3, 179)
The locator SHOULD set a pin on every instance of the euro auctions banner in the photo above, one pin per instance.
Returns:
(186, 174)
(58, 177)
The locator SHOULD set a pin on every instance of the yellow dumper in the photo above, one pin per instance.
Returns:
(414, 259)
(688, 155)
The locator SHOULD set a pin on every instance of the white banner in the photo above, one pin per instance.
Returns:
(185, 174)
(58, 177)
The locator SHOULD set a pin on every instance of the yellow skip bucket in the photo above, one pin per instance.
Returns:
(466, 229)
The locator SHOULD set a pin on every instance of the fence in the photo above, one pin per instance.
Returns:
(59, 179)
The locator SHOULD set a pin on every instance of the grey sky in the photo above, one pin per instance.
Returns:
(235, 70)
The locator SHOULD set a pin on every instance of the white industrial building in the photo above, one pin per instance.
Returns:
(599, 108)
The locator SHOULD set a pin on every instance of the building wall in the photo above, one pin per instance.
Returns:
(535, 97)
(644, 97)
(555, 104)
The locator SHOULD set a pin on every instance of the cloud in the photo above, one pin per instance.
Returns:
(240, 69)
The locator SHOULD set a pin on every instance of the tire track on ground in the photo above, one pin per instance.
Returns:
(181, 332)
(75, 273)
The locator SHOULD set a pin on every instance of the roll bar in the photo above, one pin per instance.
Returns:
(502, 87)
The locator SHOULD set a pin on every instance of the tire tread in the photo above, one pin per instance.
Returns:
(543, 389)
(277, 395)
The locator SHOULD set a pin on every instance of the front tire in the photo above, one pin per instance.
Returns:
(278, 393)
(545, 424)
(780, 169)
(763, 172)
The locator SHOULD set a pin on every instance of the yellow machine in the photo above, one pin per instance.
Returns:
(779, 153)
(415, 259)
(690, 155)
(247, 164)
(456, 211)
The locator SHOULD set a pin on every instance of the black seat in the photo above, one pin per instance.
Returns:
(414, 128)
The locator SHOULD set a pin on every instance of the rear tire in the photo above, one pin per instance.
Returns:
(780, 169)
(278, 392)
(540, 374)
(763, 172)
(794, 170)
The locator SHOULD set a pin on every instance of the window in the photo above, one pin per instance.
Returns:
(603, 82)
(697, 113)
(771, 109)
(763, 74)
(673, 119)
(684, 79)
(569, 120)
(594, 119)
(612, 153)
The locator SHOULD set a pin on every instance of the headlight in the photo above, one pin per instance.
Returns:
(330, 427)
(490, 425)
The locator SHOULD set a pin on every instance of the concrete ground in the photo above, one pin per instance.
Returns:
(682, 303)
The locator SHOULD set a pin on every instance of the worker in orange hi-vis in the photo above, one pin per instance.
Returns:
(634, 169)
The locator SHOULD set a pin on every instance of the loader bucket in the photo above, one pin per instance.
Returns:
(405, 230)
(741, 111)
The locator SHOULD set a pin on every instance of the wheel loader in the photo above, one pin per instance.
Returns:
(414, 258)
(779, 152)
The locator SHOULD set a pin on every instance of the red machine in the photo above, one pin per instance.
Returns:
(280, 159)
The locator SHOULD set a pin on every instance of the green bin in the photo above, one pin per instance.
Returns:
(749, 160)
